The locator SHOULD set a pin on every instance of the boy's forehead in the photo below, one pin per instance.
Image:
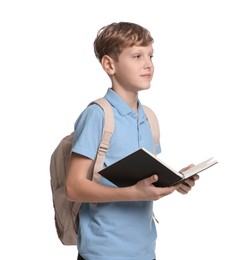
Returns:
(134, 48)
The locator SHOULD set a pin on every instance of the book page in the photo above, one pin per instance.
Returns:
(199, 167)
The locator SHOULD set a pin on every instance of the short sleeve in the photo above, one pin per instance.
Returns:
(88, 131)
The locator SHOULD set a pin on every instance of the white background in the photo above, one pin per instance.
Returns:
(200, 92)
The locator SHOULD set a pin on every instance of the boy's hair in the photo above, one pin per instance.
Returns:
(113, 38)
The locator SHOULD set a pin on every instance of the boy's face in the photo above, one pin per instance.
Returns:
(134, 69)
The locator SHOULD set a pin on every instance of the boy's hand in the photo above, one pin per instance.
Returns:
(147, 191)
(187, 184)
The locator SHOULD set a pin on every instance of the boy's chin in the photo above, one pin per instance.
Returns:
(145, 87)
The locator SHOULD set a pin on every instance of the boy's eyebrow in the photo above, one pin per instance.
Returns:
(141, 47)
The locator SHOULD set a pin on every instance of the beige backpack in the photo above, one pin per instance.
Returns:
(66, 212)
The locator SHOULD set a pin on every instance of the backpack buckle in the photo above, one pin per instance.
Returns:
(104, 145)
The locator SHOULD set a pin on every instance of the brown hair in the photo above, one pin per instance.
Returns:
(113, 38)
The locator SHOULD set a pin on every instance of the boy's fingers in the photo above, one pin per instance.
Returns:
(186, 168)
(152, 179)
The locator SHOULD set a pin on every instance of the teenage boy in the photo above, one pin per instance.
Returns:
(117, 223)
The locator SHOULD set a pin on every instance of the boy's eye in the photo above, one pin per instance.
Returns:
(137, 56)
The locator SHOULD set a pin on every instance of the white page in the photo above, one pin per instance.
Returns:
(199, 167)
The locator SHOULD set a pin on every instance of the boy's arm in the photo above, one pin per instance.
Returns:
(79, 187)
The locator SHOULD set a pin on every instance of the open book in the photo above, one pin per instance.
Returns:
(142, 164)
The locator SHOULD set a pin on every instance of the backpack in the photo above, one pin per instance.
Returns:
(66, 212)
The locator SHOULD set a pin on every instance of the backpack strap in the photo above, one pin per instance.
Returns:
(108, 130)
(154, 125)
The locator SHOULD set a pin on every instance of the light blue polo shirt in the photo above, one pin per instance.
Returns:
(118, 230)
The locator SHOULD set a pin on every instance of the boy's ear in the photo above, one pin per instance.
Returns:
(108, 64)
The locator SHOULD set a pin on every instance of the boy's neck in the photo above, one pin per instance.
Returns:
(131, 98)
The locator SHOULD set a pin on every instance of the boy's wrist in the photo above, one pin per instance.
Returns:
(128, 193)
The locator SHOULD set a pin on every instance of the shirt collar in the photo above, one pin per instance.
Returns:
(122, 107)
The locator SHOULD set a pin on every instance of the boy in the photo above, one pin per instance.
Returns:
(117, 223)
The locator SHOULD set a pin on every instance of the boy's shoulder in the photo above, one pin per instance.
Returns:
(91, 112)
